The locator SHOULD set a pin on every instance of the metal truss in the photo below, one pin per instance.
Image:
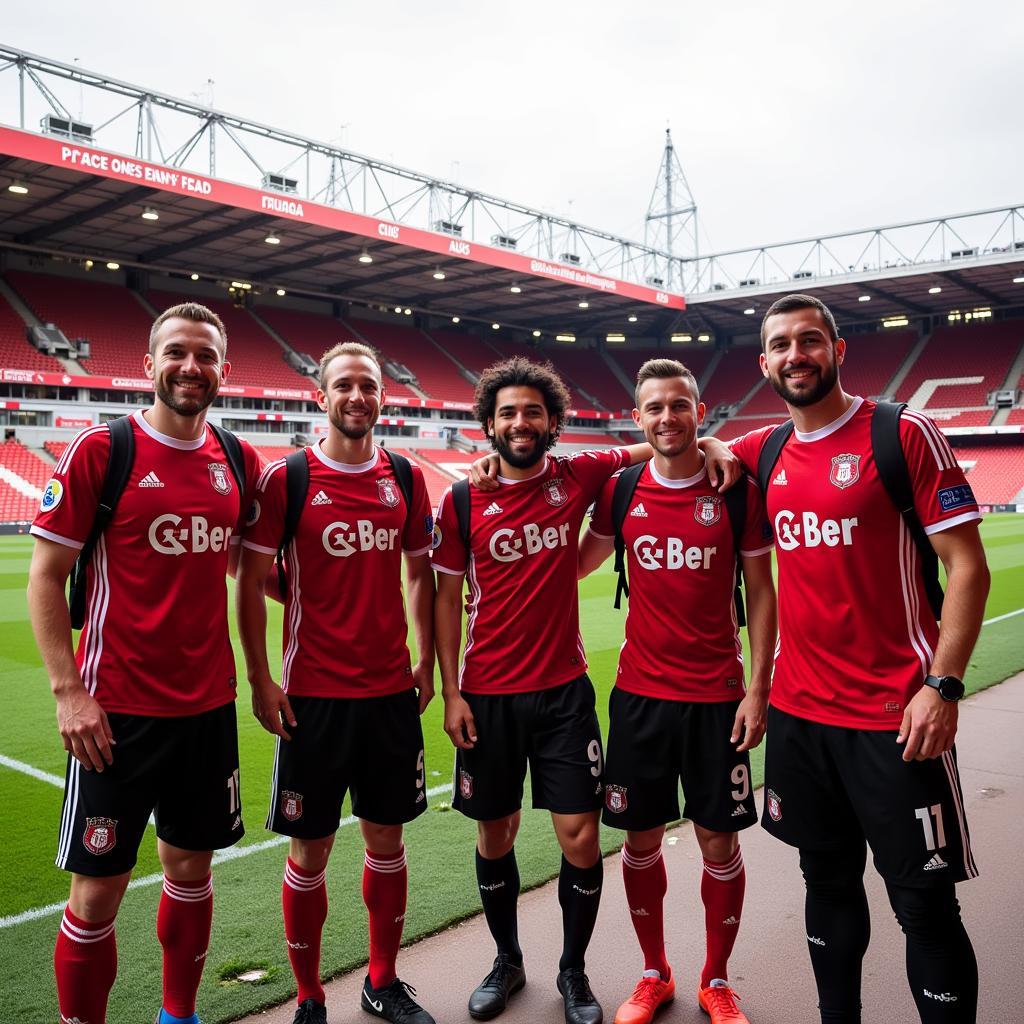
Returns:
(940, 244)
(671, 223)
(163, 129)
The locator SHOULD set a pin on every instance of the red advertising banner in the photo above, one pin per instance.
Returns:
(75, 422)
(67, 380)
(61, 153)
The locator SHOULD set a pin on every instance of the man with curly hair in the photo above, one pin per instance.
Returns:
(522, 695)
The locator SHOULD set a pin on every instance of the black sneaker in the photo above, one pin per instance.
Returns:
(491, 996)
(581, 1005)
(310, 1012)
(394, 1003)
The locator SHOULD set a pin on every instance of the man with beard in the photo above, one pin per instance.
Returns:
(864, 695)
(522, 694)
(153, 681)
(347, 712)
(678, 708)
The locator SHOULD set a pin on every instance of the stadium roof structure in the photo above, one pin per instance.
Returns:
(144, 183)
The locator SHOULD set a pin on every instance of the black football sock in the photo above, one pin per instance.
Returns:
(498, 881)
(838, 929)
(579, 893)
(941, 966)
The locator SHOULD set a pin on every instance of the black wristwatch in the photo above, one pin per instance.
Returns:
(950, 688)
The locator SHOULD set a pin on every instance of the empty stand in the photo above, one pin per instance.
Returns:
(985, 351)
(1016, 416)
(56, 448)
(108, 315)
(586, 371)
(257, 360)
(873, 359)
(16, 353)
(696, 359)
(996, 474)
(736, 373)
(968, 418)
(474, 353)
(23, 475)
(436, 375)
(737, 427)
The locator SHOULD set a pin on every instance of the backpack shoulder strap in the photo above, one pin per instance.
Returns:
(736, 508)
(402, 468)
(625, 487)
(233, 452)
(771, 451)
(891, 464)
(460, 499)
(296, 482)
(120, 460)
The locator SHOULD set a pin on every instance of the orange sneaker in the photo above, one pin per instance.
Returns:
(718, 1001)
(650, 994)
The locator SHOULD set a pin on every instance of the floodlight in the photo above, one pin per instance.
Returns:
(565, 337)
(615, 337)
(703, 337)
(632, 318)
(495, 327)
(365, 257)
(681, 339)
(895, 321)
(113, 266)
(583, 304)
(407, 311)
(272, 239)
(88, 264)
(1018, 280)
(398, 309)
(281, 292)
(438, 274)
(934, 290)
(515, 289)
(863, 298)
(195, 277)
(536, 334)
(148, 213)
(749, 311)
(18, 187)
(455, 319)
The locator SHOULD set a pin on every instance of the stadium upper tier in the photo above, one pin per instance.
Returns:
(961, 365)
(15, 350)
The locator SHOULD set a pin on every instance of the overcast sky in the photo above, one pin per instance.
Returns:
(789, 118)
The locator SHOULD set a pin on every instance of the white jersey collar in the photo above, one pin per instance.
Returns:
(166, 439)
(665, 481)
(346, 467)
(831, 428)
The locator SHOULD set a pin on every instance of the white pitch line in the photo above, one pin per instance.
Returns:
(999, 618)
(35, 773)
(219, 857)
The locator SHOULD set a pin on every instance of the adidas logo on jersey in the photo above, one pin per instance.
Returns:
(640, 512)
(940, 997)
(151, 480)
(731, 919)
(639, 912)
(321, 499)
(815, 940)
(493, 509)
(781, 478)
(935, 864)
(740, 811)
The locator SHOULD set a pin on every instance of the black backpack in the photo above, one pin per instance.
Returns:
(736, 507)
(892, 470)
(120, 460)
(296, 468)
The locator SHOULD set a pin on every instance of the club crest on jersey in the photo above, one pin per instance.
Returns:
(774, 805)
(465, 785)
(219, 477)
(291, 805)
(554, 492)
(615, 799)
(707, 509)
(387, 492)
(100, 835)
(845, 471)
(253, 515)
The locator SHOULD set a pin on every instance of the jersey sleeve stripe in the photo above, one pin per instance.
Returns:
(757, 551)
(938, 444)
(258, 547)
(65, 459)
(945, 524)
(447, 571)
(38, 531)
(268, 471)
(601, 536)
(417, 552)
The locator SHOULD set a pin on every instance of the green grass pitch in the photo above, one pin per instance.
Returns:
(247, 921)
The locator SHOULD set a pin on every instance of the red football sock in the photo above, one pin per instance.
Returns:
(643, 874)
(183, 922)
(85, 964)
(721, 889)
(385, 884)
(304, 900)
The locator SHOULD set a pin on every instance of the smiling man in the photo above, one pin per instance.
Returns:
(678, 708)
(864, 695)
(153, 681)
(347, 715)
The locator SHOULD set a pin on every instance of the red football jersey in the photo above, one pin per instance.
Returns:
(523, 631)
(682, 640)
(856, 634)
(344, 617)
(155, 640)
